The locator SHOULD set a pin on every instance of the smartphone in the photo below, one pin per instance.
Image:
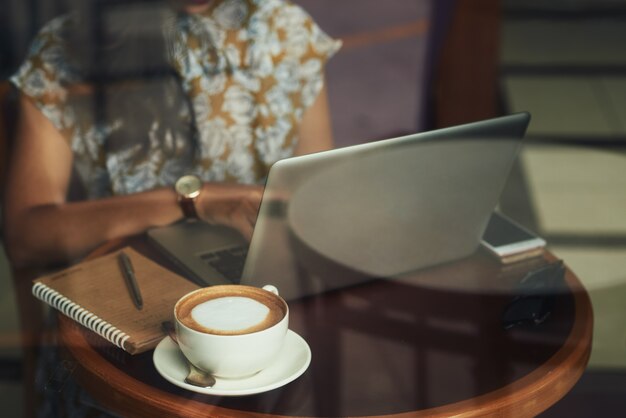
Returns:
(510, 241)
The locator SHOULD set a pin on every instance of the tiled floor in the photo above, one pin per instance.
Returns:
(574, 106)
(577, 194)
(570, 75)
(578, 191)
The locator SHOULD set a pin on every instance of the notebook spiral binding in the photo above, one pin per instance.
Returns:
(80, 314)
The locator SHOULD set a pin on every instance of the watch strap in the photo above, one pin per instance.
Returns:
(188, 206)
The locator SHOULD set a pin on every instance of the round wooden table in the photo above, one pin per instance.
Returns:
(430, 344)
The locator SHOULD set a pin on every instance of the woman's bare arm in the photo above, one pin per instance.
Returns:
(315, 129)
(41, 227)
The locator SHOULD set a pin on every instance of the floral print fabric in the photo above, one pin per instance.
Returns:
(248, 69)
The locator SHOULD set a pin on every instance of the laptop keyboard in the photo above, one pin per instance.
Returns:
(229, 262)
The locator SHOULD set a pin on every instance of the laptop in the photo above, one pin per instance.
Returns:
(379, 209)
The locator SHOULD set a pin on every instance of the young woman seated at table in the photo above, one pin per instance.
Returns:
(235, 85)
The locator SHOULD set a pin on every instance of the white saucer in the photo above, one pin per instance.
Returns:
(294, 359)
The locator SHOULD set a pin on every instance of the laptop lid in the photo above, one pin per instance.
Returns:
(378, 209)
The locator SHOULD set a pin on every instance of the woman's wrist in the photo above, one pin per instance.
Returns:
(188, 189)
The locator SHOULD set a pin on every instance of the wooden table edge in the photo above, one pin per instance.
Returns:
(102, 373)
(527, 396)
(563, 369)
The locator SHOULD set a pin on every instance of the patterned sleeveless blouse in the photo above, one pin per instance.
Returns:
(247, 69)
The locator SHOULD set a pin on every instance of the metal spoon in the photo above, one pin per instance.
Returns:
(196, 376)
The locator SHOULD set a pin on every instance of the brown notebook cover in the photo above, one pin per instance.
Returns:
(95, 294)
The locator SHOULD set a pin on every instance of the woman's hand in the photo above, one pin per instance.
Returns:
(234, 205)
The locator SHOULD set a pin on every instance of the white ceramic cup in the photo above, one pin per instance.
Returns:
(232, 356)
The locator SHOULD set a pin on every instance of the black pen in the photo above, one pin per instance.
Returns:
(131, 280)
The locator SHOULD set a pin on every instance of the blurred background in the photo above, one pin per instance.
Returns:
(414, 65)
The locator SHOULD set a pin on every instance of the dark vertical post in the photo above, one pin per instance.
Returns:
(466, 77)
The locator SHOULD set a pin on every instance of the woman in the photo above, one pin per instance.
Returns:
(241, 86)
(130, 98)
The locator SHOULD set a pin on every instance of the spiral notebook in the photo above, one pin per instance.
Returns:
(95, 294)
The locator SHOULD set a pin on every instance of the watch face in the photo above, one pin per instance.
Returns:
(189, 186)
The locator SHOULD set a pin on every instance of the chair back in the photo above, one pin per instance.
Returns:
(7, 110)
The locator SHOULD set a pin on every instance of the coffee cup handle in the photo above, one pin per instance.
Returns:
(271, 289)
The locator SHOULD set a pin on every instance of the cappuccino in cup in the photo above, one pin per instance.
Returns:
(227, 310)
(231, 330)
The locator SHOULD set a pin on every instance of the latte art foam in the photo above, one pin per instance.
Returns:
(230, 310)
(231, 313)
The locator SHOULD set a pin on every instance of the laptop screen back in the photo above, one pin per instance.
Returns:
(380, 209)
